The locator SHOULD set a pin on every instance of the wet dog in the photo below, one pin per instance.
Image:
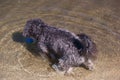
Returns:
(68, 49)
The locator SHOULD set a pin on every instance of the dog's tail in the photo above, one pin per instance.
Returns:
(88, 46)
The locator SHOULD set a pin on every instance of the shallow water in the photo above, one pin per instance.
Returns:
(98, 18)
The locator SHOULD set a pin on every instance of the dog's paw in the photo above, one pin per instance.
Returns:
(91, 68)
(56, 68)
(89, 65)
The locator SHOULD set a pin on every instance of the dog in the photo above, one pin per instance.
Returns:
(68, 49)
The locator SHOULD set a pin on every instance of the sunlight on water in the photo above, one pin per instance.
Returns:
(99, 19)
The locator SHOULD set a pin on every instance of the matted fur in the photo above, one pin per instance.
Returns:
(69, 49)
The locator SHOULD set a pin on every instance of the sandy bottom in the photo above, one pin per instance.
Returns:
(98, 18)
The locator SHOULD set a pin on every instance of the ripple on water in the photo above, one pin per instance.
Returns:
(77, 22)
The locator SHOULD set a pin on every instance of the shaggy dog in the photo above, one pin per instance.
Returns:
(68, 49)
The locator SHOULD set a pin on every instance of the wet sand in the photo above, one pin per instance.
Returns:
(99, 19)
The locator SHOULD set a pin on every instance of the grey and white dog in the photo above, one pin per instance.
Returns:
(69, 50)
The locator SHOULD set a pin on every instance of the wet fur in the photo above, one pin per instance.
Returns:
(89, 49)
(68, 49)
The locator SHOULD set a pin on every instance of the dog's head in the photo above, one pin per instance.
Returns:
(89, 47)
(33, 27)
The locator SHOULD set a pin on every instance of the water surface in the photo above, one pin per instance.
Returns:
(100, 19)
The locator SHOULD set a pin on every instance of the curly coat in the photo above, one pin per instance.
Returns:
(69, 49)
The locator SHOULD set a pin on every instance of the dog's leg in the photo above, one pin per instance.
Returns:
(64, 65)
(53, 57)
(57, 69)
(43, 50)
(89, 64)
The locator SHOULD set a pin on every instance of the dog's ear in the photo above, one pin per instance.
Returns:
(85, 39)
(78, 44)
(89, 45)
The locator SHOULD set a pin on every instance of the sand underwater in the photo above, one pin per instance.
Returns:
(100, 19)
